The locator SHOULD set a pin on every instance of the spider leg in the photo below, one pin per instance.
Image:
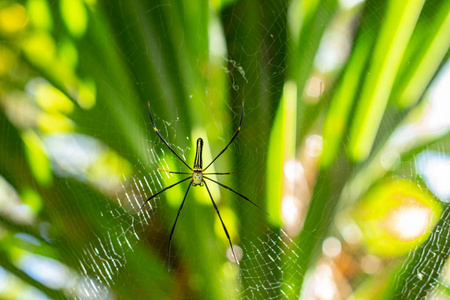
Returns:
(232, 139)
(164, 141)
(228, 188)
(171, 172)
(226, 173)
(164, 189)
(223, 224)
(174, 224)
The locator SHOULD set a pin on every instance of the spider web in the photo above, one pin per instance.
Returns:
(108, 255)
(128, 233)
(128, 228)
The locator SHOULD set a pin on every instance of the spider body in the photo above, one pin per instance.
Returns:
(197, 175)
(197, 178)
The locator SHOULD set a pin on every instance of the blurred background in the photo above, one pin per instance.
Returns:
(345, 142)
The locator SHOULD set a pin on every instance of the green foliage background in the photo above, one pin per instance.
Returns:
(104, 61)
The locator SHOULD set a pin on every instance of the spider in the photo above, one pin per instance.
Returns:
(197, 178)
